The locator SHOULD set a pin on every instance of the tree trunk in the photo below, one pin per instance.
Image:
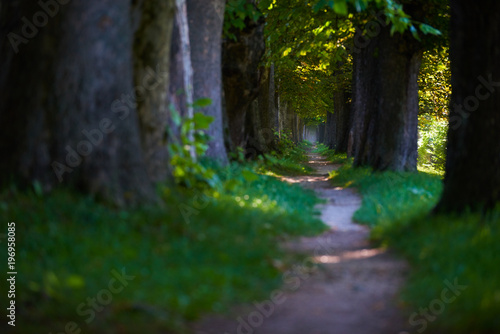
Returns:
(240, 68)
(151, 67)
(282, 111)
(473, 164)
(205, 31)
(321, 133)
(267, 109)
(330, 130)
(74, 121)
(385, 102)
(340, 120)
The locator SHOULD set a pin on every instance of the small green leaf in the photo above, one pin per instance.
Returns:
(427, 29)
(340, 7)
(202, 122)
(414, 32)
(203, 102)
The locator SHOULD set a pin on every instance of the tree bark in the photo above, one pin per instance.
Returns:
(205, 31)
(68, 111)
(321, 133)
(341, 120)
(385, 102)
(266, 103)
(330, 130)
(240, 68)
(473, 164)
(151, 76)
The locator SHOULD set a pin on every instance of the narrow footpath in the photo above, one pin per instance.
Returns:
(351, 288)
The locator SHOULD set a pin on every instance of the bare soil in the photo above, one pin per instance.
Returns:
(346, 285)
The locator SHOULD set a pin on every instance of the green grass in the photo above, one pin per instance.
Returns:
(198, 253)
(448, 247)
(390, 197)
(292, 160)
(331, 155)
(439, 248)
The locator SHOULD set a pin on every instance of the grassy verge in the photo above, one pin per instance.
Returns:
(150, 269)
(291, 160)
(334, 157)
(453, 285)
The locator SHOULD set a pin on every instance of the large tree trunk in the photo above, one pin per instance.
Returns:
(68, 111)
(321, 133)
(341, 120)
(264, 125)
(205, 31)
(240, 63)
(151, 67)
(385, 102)
(473, 165)
(330, 130)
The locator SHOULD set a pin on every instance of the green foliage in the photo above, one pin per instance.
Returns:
(186, 169)
(448, 247)
(289, 159)
(432, 143)
(331, 155)
(310, 44)
(393, 11)
(434, 83)
(237, 12)
(391, 197)
(440, 248)
(198, 252)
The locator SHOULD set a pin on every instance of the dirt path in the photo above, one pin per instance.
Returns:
(346, 286)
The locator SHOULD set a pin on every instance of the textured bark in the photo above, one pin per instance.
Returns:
(385, 102)
(273, 99)
(240, 64)
(341, 120)
(252, 121)
(151, 68)
(205, 31)
(282, 112)
(330, 129)
(177, 95)
(68, 103)
(264, 132)
(298, 129)
(473, 164)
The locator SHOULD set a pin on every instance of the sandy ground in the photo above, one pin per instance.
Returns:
(346, 286)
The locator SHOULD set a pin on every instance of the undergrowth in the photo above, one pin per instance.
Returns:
(331, 155)
(289, 158)
(212, 242)
(453, 283)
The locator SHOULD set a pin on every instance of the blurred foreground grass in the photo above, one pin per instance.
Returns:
(151, 269)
